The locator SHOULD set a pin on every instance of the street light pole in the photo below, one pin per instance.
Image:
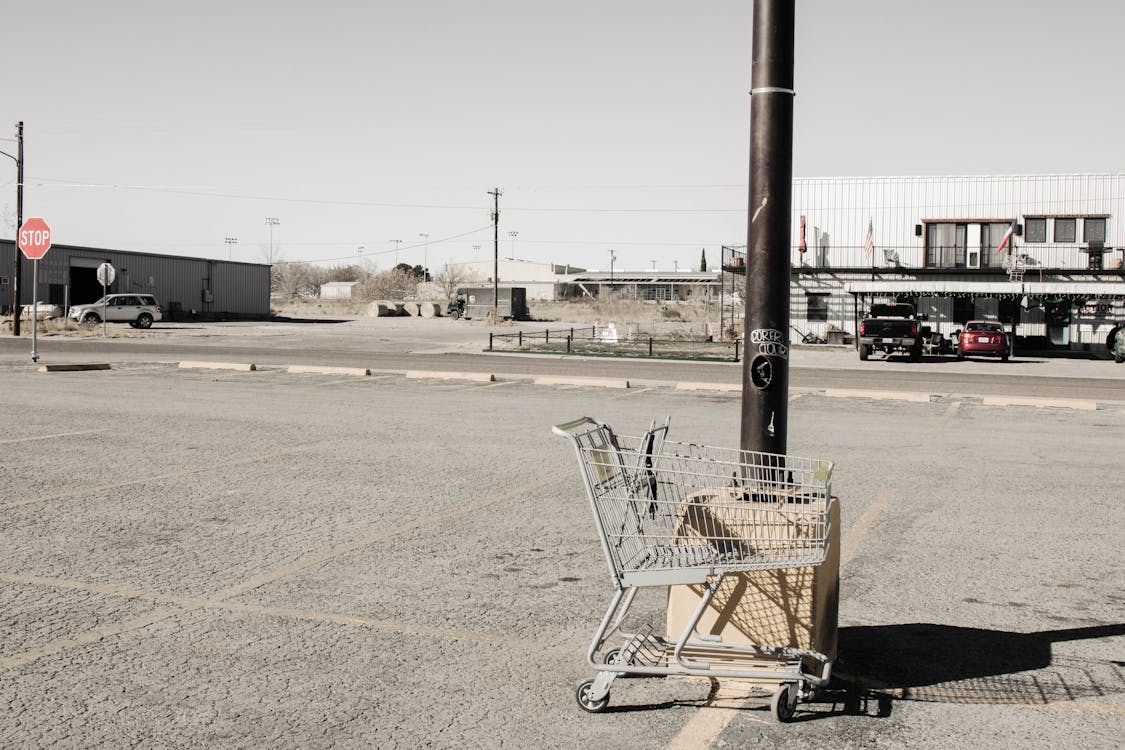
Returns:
(425, 255)
(18, 159)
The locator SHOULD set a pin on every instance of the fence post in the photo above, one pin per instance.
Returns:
(490, 341)
(547, 336)
(650, 346)
(568, 338)
(736, 350)
(520, 339)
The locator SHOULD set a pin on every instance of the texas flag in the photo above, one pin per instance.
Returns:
(1007, 236)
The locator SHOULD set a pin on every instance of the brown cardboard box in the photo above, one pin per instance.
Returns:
(787, 607)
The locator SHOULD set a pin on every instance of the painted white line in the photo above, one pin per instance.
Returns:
(51, 437)
(1042, 403)
(921, 398)
(250, 367)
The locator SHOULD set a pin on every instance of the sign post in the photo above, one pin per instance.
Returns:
(106, 275)
(34, 242)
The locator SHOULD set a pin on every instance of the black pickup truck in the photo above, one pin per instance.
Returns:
(890, 328)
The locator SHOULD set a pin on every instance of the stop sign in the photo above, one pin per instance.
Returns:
(35, 238)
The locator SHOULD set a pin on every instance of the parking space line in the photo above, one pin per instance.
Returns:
(219, 599)
(52, 437)
(156, 478)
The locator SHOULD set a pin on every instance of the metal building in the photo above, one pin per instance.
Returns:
(1057, 278)
(185, 287)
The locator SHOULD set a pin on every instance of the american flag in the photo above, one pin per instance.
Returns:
(1007, 236)
(869, 242)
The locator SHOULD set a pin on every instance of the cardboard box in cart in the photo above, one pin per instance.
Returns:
(781, 607)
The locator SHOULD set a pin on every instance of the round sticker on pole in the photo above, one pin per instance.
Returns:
(106, 274)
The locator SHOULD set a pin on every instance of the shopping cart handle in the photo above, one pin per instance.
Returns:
(566, 428)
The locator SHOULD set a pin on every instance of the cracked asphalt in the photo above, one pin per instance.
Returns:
(198, 558)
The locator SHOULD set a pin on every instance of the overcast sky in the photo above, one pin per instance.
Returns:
(616, 124)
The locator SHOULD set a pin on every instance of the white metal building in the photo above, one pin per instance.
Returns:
(936, 242)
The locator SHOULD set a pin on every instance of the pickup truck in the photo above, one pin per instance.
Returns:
(891, 328)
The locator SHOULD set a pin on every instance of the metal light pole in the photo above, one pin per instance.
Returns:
(18, 159)
(271, 222)
(765, 372)
(397, 243)
(513, 234)
(425, 255)
(231, 242)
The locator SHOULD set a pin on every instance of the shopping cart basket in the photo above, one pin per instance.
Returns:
(671, 513)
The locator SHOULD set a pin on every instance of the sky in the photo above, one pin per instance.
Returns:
(373, 132)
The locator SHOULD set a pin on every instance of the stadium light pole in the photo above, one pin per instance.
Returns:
(231, 242)
(425, 255)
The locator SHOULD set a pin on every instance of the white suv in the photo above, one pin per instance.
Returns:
(138, 310)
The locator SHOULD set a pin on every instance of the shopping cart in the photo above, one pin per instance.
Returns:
(672, 513)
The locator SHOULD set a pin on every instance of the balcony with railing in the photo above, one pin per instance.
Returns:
(933, 260)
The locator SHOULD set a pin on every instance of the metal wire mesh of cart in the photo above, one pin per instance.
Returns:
(664, 506)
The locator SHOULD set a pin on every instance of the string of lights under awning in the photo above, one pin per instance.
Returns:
(998, 289)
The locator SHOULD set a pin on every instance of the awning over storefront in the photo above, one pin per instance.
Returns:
(1076, 290)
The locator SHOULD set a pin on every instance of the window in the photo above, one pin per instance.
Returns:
(964, 309)
(1093, 230)
(945, 245)
(1035, 230)
(817, 304)
(1064, 230)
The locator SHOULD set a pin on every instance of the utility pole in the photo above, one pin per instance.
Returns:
(271, 222)
(495, 193)
(18, 159)
(765, 373)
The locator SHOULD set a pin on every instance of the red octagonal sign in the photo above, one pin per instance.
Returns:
(35, 238)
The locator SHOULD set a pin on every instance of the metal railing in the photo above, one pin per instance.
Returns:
(1033, 256)
(590, 341)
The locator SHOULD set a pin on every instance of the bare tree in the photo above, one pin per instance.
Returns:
(452, 276)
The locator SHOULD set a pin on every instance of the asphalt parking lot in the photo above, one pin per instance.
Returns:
(209, 558)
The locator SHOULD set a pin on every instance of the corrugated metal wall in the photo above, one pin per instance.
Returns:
(236, 289)
(837, 209)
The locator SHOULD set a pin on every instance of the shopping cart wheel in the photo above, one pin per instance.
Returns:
(611, 656)
(584, 702)
(784, 702)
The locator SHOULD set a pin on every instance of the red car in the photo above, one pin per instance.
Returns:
(983, 337)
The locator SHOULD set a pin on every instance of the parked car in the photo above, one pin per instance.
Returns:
(983, 337)
(138, 310)
(1119, 346)
(43, 311)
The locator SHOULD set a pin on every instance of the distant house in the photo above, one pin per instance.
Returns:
(337, 289)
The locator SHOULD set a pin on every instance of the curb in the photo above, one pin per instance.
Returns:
(218, 366)
(479, 377)
(314, 370)
(1042, 403)
(74, 367)
(723, 387)
(921, 398)
(594, 382)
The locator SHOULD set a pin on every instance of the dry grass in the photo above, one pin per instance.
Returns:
(687, 320)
